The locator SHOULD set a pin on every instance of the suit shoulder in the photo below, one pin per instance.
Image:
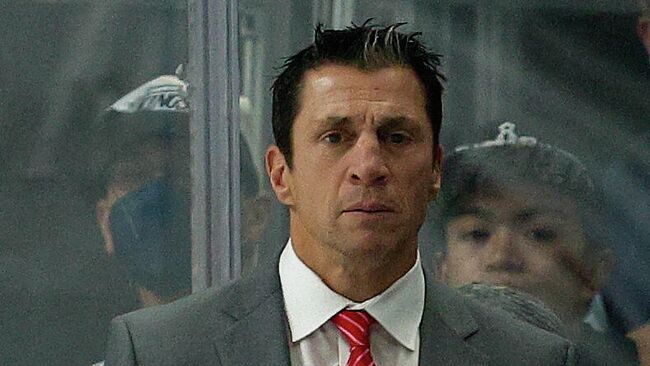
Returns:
(218, 307)
(195, 306)
(179, 333)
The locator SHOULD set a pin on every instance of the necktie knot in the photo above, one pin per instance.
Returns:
(355, 327)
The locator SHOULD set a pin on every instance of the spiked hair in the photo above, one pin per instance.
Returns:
(367, 47)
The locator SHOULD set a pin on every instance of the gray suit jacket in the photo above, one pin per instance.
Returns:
(245, 324)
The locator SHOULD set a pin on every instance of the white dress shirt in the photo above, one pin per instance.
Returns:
(315, 341)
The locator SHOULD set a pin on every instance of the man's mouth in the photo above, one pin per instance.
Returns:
(369, 208)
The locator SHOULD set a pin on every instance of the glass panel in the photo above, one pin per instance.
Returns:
(264, 220)
(94, 203)
(573, 76)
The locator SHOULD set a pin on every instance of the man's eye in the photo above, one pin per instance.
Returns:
(333, 137)
(397, 138)
(543, 235)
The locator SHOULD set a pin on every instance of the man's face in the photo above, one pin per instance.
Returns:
(363, 168)
(530, 239)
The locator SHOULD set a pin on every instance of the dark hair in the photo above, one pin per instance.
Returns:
(367, 47)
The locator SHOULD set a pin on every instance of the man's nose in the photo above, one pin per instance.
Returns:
(368, 165)
(503, 252)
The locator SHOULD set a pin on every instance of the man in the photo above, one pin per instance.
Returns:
(519, 213)
(356, 118)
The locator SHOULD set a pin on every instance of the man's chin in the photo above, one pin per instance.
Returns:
(371, 242)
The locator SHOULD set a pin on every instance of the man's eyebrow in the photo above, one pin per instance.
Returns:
(384, 123)
(333, 122)
(391, 122)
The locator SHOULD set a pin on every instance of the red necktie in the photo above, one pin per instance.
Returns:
(355, 327)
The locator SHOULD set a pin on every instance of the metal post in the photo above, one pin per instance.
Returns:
(213, 74)
(489, 63)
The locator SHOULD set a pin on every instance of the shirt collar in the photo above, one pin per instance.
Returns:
(310, 303)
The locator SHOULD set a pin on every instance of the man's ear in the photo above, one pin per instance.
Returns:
(437, 171)
(279, 175)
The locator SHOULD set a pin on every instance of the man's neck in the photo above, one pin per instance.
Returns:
(360, 278)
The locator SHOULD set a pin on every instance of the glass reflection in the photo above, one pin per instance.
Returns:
(64, 63)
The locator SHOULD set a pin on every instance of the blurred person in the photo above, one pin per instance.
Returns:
(523, 214)
(144, 209)
(356, 119)
(141, 164)
(144, 213)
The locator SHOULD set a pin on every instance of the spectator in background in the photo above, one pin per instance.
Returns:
(144, 211)
(523, 214)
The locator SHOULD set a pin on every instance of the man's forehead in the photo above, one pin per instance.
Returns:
(339, 91)
(341, 78)
(386, 121)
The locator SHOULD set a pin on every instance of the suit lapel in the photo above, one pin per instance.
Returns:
(445, 328)
(259, 335)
